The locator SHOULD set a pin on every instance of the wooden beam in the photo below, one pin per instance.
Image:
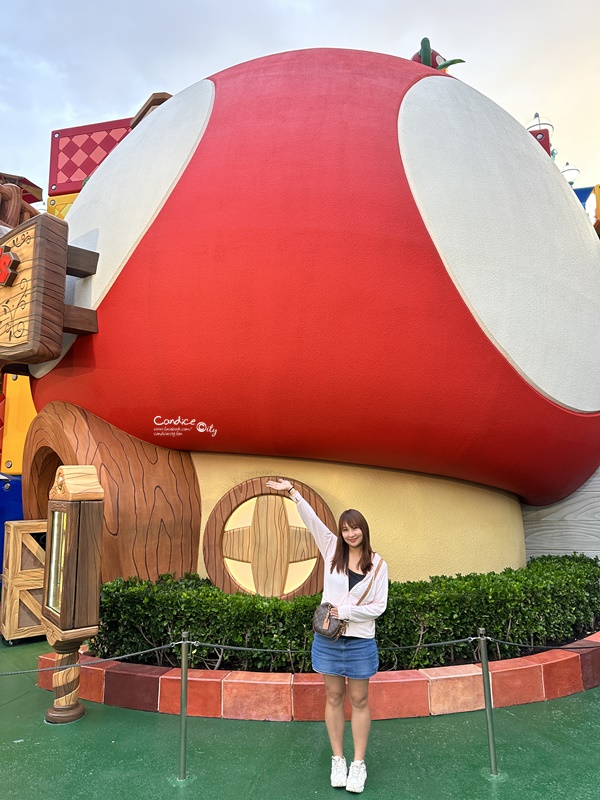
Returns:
(14, 369)
(156, 99)
(81, 321)
(13, 209)
(81, 263)
(10, 204)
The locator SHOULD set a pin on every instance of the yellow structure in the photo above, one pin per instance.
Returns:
(61, 204)
(19, 412)
(422, 525)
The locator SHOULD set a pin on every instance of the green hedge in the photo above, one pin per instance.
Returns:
(552, 601)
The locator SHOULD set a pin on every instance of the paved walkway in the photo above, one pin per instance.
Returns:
(545, 750)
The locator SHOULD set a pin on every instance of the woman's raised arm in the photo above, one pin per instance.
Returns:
(324, 538)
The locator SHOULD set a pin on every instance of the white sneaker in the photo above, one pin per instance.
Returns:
(339, 771)
(357, 775)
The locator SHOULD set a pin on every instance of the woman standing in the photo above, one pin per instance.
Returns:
(356, 585)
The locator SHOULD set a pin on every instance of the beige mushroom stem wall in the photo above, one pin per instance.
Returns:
(421, 525)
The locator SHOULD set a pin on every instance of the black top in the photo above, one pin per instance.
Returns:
(353, 579)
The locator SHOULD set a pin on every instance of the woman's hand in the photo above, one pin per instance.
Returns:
(334, 612)
(280, 486)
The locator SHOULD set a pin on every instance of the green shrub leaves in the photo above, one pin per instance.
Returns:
(552, 601)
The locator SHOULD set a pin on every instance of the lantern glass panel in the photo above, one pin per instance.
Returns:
(57, 560)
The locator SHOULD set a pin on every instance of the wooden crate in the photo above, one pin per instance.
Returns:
(22, 579)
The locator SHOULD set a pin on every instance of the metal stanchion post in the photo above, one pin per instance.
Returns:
(487, 693)
(185, 646)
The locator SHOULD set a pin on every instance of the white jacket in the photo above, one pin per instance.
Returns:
(361, 618)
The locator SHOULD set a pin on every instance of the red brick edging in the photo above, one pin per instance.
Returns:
(283, 696)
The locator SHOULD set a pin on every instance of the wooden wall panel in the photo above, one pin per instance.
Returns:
(152, 509)
(570, 525)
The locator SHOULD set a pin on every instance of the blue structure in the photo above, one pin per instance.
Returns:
(11, 505)
(583, 194)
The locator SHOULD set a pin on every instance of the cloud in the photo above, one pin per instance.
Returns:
(74, 63)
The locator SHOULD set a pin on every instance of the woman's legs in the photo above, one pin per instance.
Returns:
(361, 716)
(358, 691)
(335, 688)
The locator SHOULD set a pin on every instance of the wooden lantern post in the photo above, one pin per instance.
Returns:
(71, 597)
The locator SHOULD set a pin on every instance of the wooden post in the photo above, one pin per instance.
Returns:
(65, 682)
(71, 595)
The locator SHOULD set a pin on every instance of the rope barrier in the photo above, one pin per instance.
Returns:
(575, 647)
(428, 644)
(237, 648)
(96, 661)
(246, 649)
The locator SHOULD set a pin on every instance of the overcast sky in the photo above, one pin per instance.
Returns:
(72, 62)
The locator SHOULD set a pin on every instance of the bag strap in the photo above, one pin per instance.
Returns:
(372, 581)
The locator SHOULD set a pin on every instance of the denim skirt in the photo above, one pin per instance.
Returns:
(348, 656)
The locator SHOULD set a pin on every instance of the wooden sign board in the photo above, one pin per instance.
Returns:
(33, 262)
(35, 259)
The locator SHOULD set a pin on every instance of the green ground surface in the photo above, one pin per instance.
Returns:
(545, 750)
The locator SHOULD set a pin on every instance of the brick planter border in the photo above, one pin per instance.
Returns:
(284, 696)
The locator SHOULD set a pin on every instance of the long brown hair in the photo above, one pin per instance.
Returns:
(341, 557)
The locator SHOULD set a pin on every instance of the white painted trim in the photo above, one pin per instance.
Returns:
(511, 233)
